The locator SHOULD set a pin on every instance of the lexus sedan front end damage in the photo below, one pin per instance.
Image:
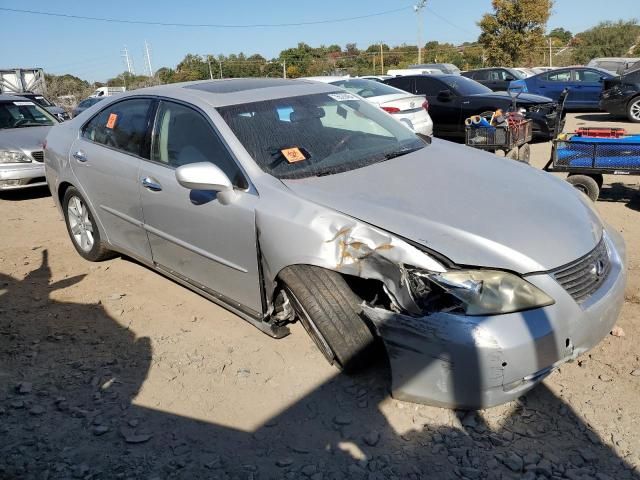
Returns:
(294, 201)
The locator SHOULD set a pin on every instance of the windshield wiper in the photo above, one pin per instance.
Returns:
(399, 153)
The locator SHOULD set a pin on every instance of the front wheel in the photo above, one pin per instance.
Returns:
(82, 228)
(633, 110)
(331, 314)
(586, 185)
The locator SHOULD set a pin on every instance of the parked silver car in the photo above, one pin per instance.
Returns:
(23, 128)
(289, 200)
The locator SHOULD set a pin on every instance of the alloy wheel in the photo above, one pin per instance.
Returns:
(634, 110)
(80, 224)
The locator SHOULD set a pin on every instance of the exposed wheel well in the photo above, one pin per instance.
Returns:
(62, 189)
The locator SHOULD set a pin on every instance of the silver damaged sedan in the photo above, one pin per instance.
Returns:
(289, 200)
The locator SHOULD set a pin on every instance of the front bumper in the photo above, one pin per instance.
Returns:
(15, 176)
(466, 362)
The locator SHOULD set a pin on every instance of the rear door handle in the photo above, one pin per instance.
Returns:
(151, 184)
(80, 156)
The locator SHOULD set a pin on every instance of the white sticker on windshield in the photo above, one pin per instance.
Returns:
(22, 104)
(343, 97)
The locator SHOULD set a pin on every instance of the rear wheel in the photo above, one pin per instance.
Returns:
(586, 185)
(524, 153)
(330, 313)
(82, 228)
(633, 110)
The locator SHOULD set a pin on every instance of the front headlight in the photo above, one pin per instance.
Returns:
(13, 156)
(487, 292)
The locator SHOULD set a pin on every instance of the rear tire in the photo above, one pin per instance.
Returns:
(331, 314)
(82, 228)
(586, 185)
(524, 153)
(633, 110)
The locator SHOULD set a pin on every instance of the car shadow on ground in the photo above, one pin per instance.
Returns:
(25, 194)
(70, 372)
(596, 117)
(619, 192)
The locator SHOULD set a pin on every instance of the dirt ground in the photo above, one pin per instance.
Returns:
(110, 371)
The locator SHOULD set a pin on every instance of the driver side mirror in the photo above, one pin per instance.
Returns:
(203, 176)
(445, 95)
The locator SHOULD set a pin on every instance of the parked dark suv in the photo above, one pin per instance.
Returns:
(621, 95)
(497, 78)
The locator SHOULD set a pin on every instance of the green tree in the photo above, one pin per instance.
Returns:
(514, 33)
(607, 39)
(561, 34)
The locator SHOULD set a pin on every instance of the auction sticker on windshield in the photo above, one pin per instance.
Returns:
(293, 155)
(343, 97)
(22, 104)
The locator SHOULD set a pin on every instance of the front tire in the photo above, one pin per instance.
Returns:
(633, 110)
(331, 314)
(82, 227)
(586, 185)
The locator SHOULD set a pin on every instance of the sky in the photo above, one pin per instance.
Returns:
(92, 50)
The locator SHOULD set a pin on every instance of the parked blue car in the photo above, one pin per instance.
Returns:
(584, 84)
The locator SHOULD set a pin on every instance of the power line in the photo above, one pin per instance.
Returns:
(202, 25)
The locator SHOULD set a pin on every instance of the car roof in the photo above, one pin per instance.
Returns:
(233, 91)
(8, 97)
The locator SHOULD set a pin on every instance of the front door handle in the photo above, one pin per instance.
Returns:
(80, 156)
(151, 184)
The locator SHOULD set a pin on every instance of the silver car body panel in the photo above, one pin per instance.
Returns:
(26, 140)
(441, 207)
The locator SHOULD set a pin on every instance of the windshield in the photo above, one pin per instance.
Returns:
(367, 88)
(42, 101)
(465, 86)
(320, 134)
(22, 113)
(516, 73)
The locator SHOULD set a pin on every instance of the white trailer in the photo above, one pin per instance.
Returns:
(107, 91)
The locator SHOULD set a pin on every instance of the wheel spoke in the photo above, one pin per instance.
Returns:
(83, 240)
(75, 229)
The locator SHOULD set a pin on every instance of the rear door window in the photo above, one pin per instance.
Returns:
(429, 86)
(563, 76)
(403, 83)
(122, 125)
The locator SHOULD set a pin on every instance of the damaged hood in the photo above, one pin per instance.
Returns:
(475, 208)
(25, 138)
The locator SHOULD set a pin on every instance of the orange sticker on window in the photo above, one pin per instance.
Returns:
(111, 122)
(293, 155)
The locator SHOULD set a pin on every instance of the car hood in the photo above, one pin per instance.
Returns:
(528, 98)
(475, 208)
(26, 138)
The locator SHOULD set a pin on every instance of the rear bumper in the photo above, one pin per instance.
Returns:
(16, 176)
(465, 362)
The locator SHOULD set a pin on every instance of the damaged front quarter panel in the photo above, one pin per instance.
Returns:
(444, 360)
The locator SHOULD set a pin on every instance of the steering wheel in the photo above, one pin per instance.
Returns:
(342, 142)
(20, 121)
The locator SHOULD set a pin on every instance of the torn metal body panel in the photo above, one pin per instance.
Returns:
(474, 362)
(320, 237)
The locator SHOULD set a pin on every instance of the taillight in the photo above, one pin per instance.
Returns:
(425, 104)
(391, 109)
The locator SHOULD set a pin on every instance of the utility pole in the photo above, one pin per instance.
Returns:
(381, 60)
(418, 9)
(128, 61)
(374, 63)
(220, 65)
(284, 68)
(147, 56)
(550, 54)
(210, 71)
